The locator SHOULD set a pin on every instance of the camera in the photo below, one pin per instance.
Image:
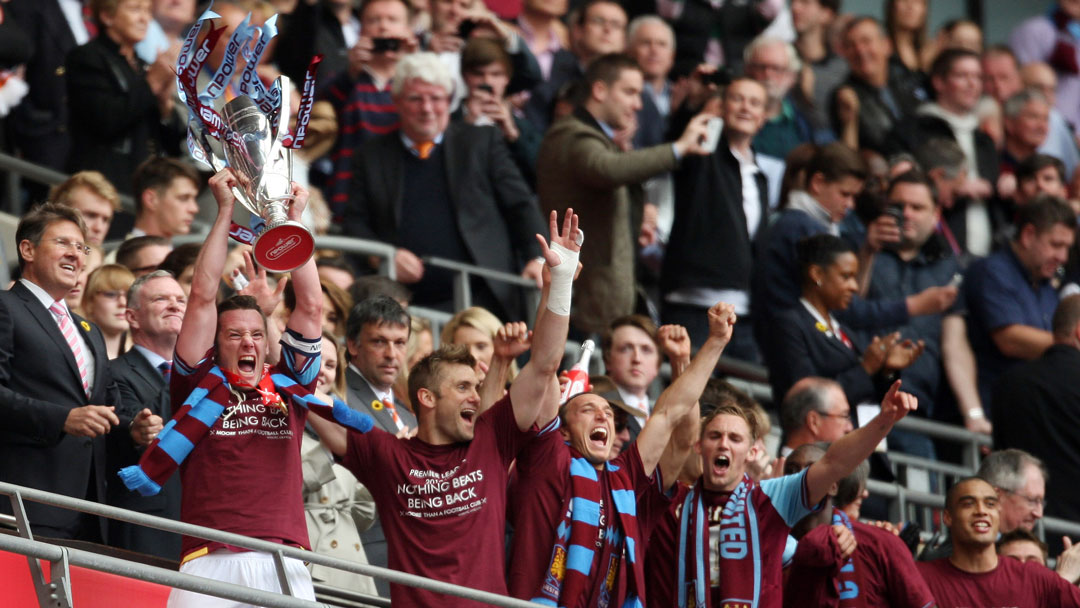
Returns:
(385, 45)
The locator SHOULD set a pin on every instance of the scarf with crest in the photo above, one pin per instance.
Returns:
(209, 400)
(571, 581)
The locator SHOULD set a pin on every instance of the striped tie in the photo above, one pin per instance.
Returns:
(68, 329)
(166, 370)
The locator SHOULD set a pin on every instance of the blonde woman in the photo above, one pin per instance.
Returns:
(104, 302)
(494, 345)
(337, 506)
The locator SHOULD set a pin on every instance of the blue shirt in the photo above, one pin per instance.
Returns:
(999, 292)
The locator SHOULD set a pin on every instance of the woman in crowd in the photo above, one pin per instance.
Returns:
(808, 341)
(74, 298)
(492, 344)
(905, 22)
(116, 102)
(104, 303)
(337, 506)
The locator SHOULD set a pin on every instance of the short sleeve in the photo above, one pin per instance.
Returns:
(788, 495)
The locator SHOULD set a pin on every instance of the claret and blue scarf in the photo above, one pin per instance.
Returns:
(570, 580)
(205, 405)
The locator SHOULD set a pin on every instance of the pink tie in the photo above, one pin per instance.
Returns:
(68, 329)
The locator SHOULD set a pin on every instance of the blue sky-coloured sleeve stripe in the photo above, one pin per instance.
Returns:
(788, 496)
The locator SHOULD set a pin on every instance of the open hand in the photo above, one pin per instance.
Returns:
(571, 237)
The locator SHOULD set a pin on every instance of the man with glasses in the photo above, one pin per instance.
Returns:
(775, 64)
(57, 398)
(814, 409)
(446, 190)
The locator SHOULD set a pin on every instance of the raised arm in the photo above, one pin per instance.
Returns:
(200, 320)
(682, 395)
(511, 340)
(847, 452)
(529, 389)
(306, 318)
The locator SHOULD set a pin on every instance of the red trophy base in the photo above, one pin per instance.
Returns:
(284, 248)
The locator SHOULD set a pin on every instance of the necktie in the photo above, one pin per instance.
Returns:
(88, 20)
(166, 370)
(393, 413)
(424, 148)
(68, 329)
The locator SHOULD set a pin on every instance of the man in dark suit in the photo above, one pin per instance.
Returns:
(156, 305)
(447, 191)
(376, 334)
(54, 379)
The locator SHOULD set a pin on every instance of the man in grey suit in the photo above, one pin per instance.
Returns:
(445, 190)
(581, 166)
(376, 334)
(57, 399)
(156, 305)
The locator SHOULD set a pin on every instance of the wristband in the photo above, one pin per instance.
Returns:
(562, 279)
(975, 414)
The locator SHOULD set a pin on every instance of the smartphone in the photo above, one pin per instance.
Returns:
(485, 88)
(712, 134)
(385, 45)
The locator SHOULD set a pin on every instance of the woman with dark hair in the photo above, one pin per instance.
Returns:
(808, 341)
(905, 23)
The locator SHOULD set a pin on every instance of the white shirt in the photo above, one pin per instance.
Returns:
(633, 400)
(751, 196)
(73, 13)
(47, 301)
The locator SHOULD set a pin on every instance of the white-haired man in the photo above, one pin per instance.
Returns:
(432, 189)
(776, 64)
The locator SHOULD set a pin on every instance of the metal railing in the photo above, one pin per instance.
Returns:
(61, 556)
(18, 168)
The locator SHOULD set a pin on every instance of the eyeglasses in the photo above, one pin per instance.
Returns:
(844, 416)
(67, 245)
(1034, 503)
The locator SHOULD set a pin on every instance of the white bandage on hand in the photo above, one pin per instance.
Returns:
(562, 279)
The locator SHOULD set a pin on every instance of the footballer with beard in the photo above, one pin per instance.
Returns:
(581, 522)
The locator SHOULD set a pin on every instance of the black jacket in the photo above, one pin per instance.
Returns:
(39, 386)
(709, 244)
(140, 386)
(113, 116)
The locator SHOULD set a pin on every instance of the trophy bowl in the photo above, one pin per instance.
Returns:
(264, 168)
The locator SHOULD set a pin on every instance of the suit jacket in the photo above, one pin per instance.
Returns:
(581, 167)
(39, 386)
(39, 122)
(360, 398)
(141, 385)
(496, 213)
(565, 69)
(797, 349)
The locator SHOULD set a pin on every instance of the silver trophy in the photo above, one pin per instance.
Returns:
(250, 135)
(263, 164)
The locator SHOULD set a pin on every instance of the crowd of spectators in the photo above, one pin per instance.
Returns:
(881, 203)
